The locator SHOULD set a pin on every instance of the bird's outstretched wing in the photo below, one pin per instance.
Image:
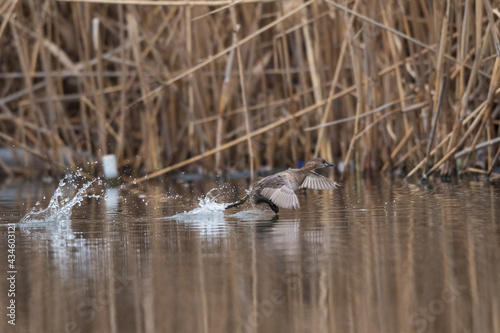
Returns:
(316, 181)
(280, 192)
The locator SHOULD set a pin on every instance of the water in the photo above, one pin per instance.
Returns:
(373, 256)
(67, 195)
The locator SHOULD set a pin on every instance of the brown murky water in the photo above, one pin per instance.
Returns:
(375, 256)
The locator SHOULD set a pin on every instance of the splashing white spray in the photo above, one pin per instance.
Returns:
(207, 208)
(61, 204)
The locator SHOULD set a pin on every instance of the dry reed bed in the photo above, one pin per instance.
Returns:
(381, 86)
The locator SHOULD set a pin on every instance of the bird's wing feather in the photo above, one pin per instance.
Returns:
(316, 181)
(282, 195)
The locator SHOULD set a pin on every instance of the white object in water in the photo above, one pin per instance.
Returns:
(111, 199)
(109, 166)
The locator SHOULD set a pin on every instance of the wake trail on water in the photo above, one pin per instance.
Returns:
(69, 194)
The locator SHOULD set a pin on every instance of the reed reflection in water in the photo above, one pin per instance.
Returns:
(375, 256)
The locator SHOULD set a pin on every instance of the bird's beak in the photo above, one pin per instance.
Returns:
(328, 164)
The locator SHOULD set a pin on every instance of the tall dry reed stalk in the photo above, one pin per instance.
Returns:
(407, 86)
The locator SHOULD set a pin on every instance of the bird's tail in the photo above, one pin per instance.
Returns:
(239, 202)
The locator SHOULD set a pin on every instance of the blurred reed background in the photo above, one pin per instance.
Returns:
(374, 86)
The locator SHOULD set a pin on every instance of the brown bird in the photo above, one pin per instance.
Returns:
(278, 190)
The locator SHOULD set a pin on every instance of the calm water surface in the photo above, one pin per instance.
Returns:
(374, 256)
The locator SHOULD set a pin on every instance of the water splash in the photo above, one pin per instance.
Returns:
(207, 208)
(61, 204)
(208, 218)
(253, 214)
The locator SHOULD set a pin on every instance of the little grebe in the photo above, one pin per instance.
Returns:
(278, 190)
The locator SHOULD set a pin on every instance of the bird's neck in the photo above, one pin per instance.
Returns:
(308, 167)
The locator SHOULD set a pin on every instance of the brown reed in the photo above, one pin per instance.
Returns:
(407, 86)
